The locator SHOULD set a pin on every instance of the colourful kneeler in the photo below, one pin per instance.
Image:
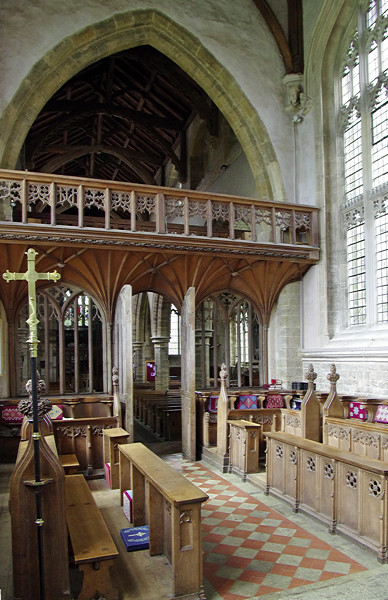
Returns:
(135, 538)
(107, 473)
(127, 504)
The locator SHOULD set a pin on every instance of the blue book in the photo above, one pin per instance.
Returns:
(135, 538)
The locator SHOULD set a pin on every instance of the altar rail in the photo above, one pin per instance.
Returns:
(346, 491)
(57, 200)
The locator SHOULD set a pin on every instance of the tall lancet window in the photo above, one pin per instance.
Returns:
(174, 345)
(364, 112)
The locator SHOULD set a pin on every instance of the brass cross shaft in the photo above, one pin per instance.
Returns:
(31, 276)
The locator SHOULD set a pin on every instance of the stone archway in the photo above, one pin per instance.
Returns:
(97, 41)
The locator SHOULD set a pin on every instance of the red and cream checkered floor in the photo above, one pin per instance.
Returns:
(251, 550)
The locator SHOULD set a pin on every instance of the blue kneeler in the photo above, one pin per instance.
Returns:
(136, 538)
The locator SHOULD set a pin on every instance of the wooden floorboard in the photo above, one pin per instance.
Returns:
(136, 574)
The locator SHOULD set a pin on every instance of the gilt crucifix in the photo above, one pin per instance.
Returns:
(31, 276)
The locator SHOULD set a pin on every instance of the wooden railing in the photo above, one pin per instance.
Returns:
(55, 200)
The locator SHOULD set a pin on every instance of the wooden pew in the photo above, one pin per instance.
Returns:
(143, 400)
(158, 422)
(269, 418)
(27, 565)
(84, 438)
(151, 408)
(69, 462)
(92, 545)
(171, 506)
(361, 437)
(172, 423)
(344, 490)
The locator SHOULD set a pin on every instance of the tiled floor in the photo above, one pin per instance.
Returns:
(254, 546)
(251, 550)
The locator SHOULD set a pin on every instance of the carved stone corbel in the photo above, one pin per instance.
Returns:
(297, 101)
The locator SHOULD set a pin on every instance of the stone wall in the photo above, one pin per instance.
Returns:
(284, 337)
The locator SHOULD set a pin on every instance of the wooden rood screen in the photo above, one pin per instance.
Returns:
(128, 206)
(171, 506)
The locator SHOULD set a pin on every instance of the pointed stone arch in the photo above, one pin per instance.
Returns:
(125, 31)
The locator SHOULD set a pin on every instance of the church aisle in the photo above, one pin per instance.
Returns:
(256, 547)
(251, 550)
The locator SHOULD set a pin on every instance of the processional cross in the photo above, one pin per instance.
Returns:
(31, 276)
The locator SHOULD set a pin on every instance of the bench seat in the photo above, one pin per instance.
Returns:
(92, 544)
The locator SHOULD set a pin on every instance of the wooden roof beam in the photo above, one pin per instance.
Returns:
(56, 163)
(291, 49)
(78, 109)
(146, 157)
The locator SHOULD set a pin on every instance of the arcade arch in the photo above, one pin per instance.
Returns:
(142, 27)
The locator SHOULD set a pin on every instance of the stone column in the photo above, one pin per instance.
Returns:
(222, 416)
(206, 354)
(138, 362)
(162, 379)
(198, 360)
(188, 376)
(126, 332)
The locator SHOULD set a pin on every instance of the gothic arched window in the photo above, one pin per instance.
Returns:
(364, 112)
(71, 353)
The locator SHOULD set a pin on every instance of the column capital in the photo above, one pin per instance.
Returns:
(160, 340)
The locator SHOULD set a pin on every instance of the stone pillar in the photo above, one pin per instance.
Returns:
(284, 357)
(222, 416)
(206, 356)
(126, 334)
(202, 358)
(162, 379)
(188, 376)
(107, 357)
(138, 362)
(199, 384)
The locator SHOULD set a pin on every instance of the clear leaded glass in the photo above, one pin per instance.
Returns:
(363, 116)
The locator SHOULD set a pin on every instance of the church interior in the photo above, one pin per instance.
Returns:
(194, 299)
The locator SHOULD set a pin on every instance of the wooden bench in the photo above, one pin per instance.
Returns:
(142, 401)
(151, 407)
(170, 505)
(158, 418)
(92, 544)
(172, 423)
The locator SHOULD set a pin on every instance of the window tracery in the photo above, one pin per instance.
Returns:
(363, 118)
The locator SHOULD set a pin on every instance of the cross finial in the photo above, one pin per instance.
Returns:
(31, 276)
